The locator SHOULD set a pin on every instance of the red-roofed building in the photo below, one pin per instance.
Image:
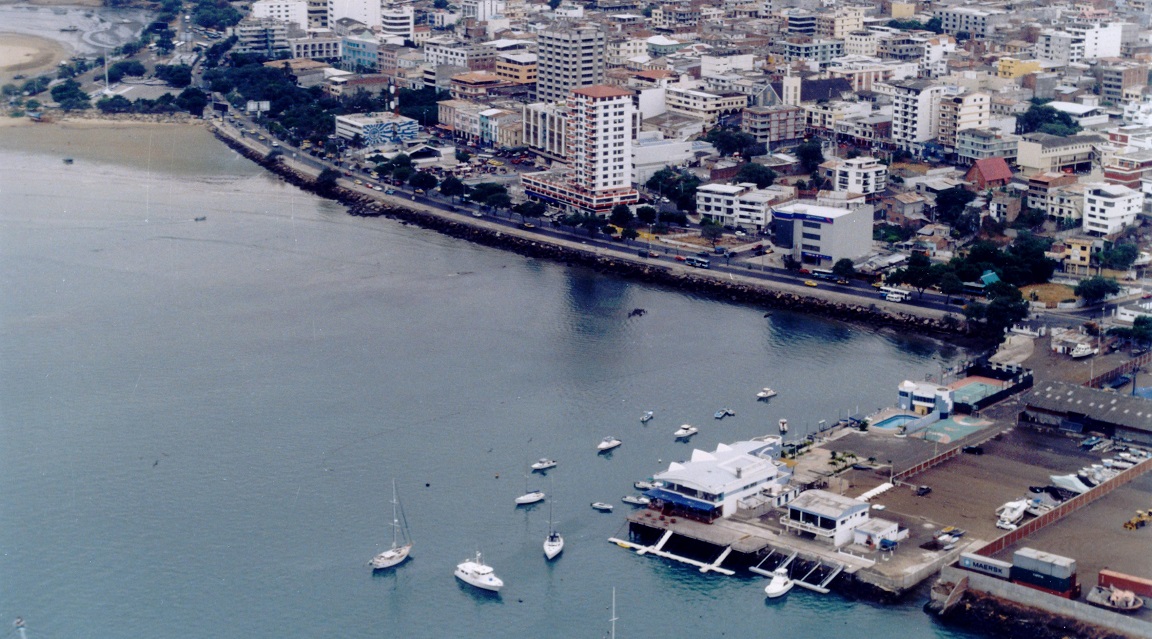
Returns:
(989, 173)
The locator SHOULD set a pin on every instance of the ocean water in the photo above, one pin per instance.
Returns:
(200, 420)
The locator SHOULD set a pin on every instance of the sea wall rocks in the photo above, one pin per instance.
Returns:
(366, 206)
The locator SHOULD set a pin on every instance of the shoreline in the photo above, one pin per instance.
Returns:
(731, 287)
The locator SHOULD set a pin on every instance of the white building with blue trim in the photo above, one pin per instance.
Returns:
(377, 128)
(715, 484)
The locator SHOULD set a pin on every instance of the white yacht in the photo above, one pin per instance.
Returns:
(608, 443)
(603, 507)
(475, 572)
(685, 431)
(1011, 513)
(780, 585)
(544, 464)
(530, 497)
(783, 426)
(401, 542)
(636, 500)
(644, 485)
(766, 393)
(646, 417)
(553, 543)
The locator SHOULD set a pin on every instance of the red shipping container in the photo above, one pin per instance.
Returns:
(1138, 585)
(1072, 593)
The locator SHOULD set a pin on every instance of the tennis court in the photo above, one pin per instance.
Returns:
(973, 389)
(954, 428)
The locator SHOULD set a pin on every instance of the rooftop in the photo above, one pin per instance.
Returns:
(602, 91)
(826, 504)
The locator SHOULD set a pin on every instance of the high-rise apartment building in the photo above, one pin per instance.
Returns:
(570, 56)
(599, 146)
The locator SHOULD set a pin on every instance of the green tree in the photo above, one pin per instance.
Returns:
(646, 214)
(452, 186)
(935, 25)
(326, 181)
(919, 273)
(711, 231)
(114, 104)
(629, 234)
(463, 156)
(1119, 257)
(192, 100)
(498, 201)
(621, 216)
(728, 141)
(1095, 289)
(810, 154)
(530, 209)
(844, 268)
(423, 180)
(951, 285)
(70, 96)
(758, 174)
(1045, 119)
(177, 75)
(950, 203)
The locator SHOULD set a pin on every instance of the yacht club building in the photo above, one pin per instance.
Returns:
(714, 484)
(830, 517)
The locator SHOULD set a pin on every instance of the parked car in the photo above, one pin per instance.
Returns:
(973, 450)
(810, 283)
(923, 490)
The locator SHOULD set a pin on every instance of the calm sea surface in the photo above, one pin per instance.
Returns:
(200, 421)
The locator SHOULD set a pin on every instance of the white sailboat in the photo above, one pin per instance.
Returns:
(399, 551)
(529, 496)
(553, 543)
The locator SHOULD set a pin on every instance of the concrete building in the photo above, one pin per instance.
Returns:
(360, 52)
(915, 112)
(864, 71)
(546, 129)
(1128, 168)
(1065, 204)
(292, 11)
(517, 67)
(980, 24)
(1080, 42)
(1040, 184)
(819, 51)
(476, 85)
(267, 36)
(1041, 152)
(982, 143)
(827, 516)
(600, 125)
(482, 10)
(317, 14)
(714, 484)
(820, 235)
(366, 12)
(318, 45)
(770, 125)
(864, 175)
(474, 57)
(571, 55)
(377, 128)
(704, 105)
(960, 112)
(740, 205)
(1110, 208)
(397, 20)
(1011, 68)
(651, 151)
(1115, 78)
(923, 398)
(838, 23)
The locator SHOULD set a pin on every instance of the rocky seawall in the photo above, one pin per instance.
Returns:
(366, 206)
(1002, 618)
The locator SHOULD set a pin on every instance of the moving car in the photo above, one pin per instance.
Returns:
(810, 283)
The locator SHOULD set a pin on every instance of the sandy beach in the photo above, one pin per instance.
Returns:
(28, 55)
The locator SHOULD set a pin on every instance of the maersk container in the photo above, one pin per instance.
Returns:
(986, 565)
(1047, 582)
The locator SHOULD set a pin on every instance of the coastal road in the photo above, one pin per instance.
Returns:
(859, 293)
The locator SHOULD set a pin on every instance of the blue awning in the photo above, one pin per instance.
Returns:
(681, 500)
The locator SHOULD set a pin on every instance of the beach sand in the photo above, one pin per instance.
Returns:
(28, 55)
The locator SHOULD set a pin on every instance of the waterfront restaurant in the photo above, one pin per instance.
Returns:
(826, 515)
(712, 484)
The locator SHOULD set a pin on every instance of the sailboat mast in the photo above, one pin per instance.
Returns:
(395, 520)
(613, 619)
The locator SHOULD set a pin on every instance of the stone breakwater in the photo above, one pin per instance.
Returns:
(366, 206)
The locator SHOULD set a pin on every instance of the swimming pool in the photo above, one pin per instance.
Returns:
(895, 421)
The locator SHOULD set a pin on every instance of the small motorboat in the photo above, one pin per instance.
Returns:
(602, 506)
(686, 431)
(646, 417)
(636, 500)
(475, 572)
(530, 497)
(544, 464)
(766, 393)
(608, 443)
(780, 585)
(724, 412)
(644, 485)
(783, 426)
(1112, 598)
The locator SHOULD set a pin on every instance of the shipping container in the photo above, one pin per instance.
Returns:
(1044, 562)
(1138, 585)
(1047, 582)
(986, 565)
(1073, 593)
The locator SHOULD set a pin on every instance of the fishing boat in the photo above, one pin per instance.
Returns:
(646, 417)
(607, 444)
(780, 585)
(544, 464)
(636, 500)
(766, 393)
(686, 431)
(401, 542)
(553, 543)
(475, 572)
(1112, 598)
(603, 507)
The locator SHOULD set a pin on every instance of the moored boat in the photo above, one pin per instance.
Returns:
(724, 412)
(1115, 599)
(553, 543)
(783, 426)
(607, 444)
(685, 431)
(530, 497)
(401, 542)
(603, 507)
(644, 485)
(636, 500)
(544, 464)
(766, 393)
(780, 585)
(475, 572)
(648, 415)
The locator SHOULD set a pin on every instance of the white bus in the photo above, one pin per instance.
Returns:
(893, 294)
